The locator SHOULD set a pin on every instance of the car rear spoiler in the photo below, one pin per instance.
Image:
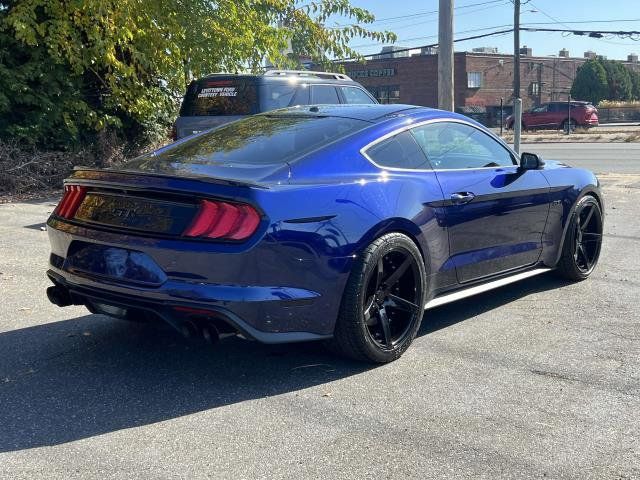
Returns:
(137, 178)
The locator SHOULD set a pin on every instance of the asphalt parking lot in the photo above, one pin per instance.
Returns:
(540, 379)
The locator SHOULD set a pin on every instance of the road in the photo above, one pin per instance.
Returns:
(599, 157)
(536, 380)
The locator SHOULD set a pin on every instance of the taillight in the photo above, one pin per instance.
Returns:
(222, 220)
(71, 200)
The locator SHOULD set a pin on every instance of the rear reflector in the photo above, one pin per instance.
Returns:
(71, 200)
(222, 220)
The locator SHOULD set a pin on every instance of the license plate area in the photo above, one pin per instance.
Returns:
(111, 263)
(135, 213)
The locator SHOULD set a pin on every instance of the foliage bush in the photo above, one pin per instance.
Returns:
(72, 69)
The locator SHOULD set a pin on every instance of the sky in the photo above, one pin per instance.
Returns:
(416, 23)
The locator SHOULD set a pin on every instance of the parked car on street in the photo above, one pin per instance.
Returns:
(339, 223)
(555, 115)
(221, 98)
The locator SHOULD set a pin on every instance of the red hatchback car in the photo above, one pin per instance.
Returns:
(555, 115)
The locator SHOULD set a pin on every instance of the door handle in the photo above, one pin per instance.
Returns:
(461, 198)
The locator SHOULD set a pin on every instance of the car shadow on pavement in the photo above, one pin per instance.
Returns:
(68, 380)
(450, 314)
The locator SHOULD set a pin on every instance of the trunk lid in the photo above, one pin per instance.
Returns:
(148, 204)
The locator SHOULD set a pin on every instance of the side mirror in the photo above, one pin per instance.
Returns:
(530, 161)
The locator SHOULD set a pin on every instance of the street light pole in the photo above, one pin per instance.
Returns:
(517, 103)
(445, 55)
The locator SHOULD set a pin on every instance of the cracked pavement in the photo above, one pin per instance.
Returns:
(540, 379)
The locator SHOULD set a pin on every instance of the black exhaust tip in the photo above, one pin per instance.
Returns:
(210, 333)
(59, 296)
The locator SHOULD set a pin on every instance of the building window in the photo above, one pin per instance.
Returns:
(534, 88)
(386, 93)
(474, 79)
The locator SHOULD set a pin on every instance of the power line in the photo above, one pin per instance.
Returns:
(431, 36)
(530, 24)
(591, 33)
(420, 14)
(435, 20)
(559, 22)
(500, 32)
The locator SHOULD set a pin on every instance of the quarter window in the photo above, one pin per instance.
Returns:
(451, 145)
(355, 95)
(399, 151)
(324, 94)
(280, 95)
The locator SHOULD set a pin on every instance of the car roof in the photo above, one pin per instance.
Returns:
(262, 78)
(573, 102)
(367, 112)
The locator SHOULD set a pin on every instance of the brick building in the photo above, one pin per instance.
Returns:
(480, 79)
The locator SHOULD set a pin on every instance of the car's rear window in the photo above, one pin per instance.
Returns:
(256, 140)
(220, 97)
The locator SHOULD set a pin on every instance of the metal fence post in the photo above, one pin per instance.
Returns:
(569, 115)
(501, 114)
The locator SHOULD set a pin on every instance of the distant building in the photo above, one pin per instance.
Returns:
(526, 51)
(480, 79)
(484, 50)
(394, 51)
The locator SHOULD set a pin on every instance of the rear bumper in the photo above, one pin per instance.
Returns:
(238, 307)
(274, 290)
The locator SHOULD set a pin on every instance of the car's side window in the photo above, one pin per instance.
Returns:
(355, 95)
(450, 145)
(540, 109)
(324, 94)
(399, 151)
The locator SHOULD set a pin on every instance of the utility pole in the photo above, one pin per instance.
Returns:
(445, 55)
(517, 103)
(516, 49)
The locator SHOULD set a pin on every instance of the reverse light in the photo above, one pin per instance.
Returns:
(71, 200)
(222, 220)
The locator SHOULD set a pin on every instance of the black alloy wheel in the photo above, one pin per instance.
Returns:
(383, 301)
(391, 304)
(582, 246)
(587, 237)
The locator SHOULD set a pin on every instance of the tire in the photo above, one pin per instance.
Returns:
(583, 241)
(383, 302)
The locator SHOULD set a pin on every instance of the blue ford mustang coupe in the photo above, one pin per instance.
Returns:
(335, 223)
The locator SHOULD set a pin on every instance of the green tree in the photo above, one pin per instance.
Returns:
(618, 80)
(81, 66)
(635, 81)
(590, 82)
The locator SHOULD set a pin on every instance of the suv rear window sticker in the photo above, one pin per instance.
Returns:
(218, 92)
